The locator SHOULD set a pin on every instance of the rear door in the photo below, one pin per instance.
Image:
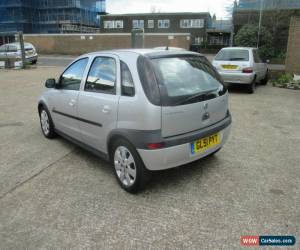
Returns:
(193, 96)
(12, 51)
(98, 101)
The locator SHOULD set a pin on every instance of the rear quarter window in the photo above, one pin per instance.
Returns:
(148, 80)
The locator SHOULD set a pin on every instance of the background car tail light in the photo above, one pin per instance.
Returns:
(155, 145)
(248, 70)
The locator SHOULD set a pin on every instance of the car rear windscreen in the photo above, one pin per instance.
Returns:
(183, 77)
(233, 55)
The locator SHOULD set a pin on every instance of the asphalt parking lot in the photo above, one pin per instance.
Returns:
(54, 195)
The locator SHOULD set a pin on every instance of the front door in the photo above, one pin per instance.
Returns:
(64, 109)
(98, 102)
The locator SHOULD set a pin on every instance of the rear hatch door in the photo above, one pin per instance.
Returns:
(192, 93)
(231, 60)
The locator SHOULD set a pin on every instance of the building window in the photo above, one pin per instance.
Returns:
(138, 24)
(150, 24)
(116, 24)
(164, 24)
(192, 23)
(108, 24)
(198, 40)
(216, 40)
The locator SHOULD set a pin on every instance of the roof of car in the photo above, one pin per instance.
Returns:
(147, 52)
(18, 44)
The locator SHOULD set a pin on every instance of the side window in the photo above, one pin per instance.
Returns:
(102, 76)
(71, 78)
(127, 85)
(12, 48)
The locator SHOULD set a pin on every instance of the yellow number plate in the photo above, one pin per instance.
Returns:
(229, 66)
(205, 143)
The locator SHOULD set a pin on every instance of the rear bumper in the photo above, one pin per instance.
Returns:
(240, 78)
(177, 155)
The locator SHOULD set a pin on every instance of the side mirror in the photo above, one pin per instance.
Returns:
(50, 83)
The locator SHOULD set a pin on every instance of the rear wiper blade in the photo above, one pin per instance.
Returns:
(198, 95)
(237, 58)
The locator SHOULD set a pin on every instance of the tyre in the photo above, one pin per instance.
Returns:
(213, 153)
(46, 122)
(129, 168)
(265, 80)
(251, 87)
(34, 62)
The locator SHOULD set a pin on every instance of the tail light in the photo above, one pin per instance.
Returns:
(155, 145)
(248, 70)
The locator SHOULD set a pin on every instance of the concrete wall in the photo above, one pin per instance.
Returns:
(76, 44)
(293, 48)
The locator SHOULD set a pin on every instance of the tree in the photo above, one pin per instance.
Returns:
(248, 34)
(247, 37)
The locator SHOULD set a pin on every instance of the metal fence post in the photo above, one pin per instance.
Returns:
(21, 40)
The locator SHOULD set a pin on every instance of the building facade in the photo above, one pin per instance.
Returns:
(219, 33)
(50, 16)
(193, 23)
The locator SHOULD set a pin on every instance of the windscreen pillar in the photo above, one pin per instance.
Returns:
(21, 41)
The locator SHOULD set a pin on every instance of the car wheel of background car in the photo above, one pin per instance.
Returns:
(128, 166)
(265, 80)
(46, 123)
(251, 87)
(34, 62)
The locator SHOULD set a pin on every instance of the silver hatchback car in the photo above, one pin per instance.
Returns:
(241, 65)
(13, 51)
(143, 110)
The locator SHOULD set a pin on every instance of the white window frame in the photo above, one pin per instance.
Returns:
(163, 23)
(137, 24)
(151, 24)
(113, 24)
(119, 24)
(108, 24)
(199, 40)
(191, 23)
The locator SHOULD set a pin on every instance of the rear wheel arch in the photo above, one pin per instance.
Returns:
(112, 138)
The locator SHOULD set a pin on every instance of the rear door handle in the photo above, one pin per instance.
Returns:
(72, 102)
(106, 109)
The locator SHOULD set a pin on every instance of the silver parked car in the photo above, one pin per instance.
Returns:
(144, 110)
(13, 51)
(241, 65)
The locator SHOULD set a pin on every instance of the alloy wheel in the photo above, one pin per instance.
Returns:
(125, 166)
(45, 122)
